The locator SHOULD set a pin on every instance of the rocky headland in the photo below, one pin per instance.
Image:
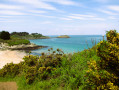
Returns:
(23, 47)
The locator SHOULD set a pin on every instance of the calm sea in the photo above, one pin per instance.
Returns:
(68, 45)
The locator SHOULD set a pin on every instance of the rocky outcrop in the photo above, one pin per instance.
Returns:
(63, 36)
(26, 48)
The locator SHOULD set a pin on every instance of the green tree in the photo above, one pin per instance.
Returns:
(5, 35)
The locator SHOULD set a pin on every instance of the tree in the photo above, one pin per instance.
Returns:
(5, 35)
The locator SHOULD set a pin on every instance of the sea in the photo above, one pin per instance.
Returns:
(75, 43)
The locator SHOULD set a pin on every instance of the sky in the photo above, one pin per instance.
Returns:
(59, 17)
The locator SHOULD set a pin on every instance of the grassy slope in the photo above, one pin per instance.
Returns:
(67, 77)
(15, 41)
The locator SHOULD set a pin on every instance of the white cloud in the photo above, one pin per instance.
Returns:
(108, 12)
(36, 4)
(112, 17)
(99, 19)
(76, 17)
(113, 7)
(5, 6)
(37, 11)
(66, 18)
(83, 17)
(8, 12)
(7, 21)
(47, 22)
(102, 1)
(63, 2)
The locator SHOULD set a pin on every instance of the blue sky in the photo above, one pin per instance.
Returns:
(59, 17)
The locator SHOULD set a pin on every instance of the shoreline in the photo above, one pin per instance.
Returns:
(16, 53)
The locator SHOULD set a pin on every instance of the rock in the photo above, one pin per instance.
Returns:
(63, 36)
(23, 47)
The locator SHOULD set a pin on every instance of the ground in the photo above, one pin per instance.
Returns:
(8, 86)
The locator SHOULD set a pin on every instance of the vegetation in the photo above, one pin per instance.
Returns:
(15, 41)
(26, 35)
(20, 33)
(93, 69)
(104, 74)
(5, 35)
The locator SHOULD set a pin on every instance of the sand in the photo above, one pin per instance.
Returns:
(11, 56)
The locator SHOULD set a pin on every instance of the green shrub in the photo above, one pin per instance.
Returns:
(10, 70)
(31, 74)
(53, 58)
(103, 74)
(44, 72)
(31, 60)
(14, 41)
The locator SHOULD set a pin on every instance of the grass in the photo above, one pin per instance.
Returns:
(69, 76)
(15, 41)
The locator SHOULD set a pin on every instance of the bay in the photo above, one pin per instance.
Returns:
(69, 45)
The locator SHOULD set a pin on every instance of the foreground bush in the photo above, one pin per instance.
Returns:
(11, 70)
(34, 67)
(104, 74)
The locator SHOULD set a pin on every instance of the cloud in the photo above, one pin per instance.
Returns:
(113, 7)
(102, 1)
(7, 21)
(5, 6)
(36, 4)
(82, 17)
(37, 11)
(63, 2)
(47, 22)
(10, 12)
(66, 18)
(112, 17)
(76, 17)
(107, 12)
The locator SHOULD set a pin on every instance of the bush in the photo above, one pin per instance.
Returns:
(31, 74)
(10, 70)
(103, 74)
(5, 35)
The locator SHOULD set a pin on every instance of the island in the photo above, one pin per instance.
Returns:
(63, 36)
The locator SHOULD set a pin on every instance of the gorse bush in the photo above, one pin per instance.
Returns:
(11, 70)
(104, 74)
(35, 67)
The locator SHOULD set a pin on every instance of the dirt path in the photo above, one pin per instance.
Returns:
(8, 86)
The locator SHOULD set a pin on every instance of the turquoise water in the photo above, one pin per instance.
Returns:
(68, 45)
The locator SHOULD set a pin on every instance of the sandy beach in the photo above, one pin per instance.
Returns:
(8, 56)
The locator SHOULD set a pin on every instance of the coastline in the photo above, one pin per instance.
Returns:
(15, 54)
